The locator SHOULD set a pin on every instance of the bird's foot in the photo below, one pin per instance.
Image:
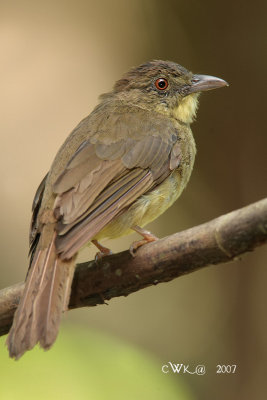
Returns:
(147, 238)
(104, 251)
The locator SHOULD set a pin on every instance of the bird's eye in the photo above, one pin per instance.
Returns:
(161, 84)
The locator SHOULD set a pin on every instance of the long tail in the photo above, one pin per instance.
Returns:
(45, 297)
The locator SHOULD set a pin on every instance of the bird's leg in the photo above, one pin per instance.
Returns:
(104, 251)
(147, 237)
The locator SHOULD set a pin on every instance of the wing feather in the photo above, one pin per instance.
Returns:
(85, 230)
(71, 205)
(108, 173)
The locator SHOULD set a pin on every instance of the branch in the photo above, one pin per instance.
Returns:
(218, 241)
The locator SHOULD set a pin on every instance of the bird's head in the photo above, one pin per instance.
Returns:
(165, 87)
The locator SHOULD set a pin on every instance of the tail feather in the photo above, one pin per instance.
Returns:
(45, 297)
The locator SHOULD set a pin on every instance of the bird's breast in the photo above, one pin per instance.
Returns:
(147, 208)
(151, 205)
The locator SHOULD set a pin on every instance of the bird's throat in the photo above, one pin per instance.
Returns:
(186, 109)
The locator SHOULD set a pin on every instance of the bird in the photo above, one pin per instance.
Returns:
(119, 169)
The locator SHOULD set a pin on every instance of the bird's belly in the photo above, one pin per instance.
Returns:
(147, 208)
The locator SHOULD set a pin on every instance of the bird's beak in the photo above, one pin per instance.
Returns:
(201, 83)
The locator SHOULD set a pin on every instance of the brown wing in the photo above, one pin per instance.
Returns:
(34, 234)
(102, 179)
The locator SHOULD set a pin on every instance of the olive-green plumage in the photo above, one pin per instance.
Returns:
(121, 167)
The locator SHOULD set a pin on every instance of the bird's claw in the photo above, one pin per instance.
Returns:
(147, 238)
(104, 251)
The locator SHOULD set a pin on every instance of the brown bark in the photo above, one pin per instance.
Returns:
(220, 240)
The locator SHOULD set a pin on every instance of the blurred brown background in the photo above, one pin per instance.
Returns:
(56, 58)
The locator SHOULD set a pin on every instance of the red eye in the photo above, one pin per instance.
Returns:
(161, 84)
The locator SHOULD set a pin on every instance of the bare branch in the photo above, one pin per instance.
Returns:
(218, 241)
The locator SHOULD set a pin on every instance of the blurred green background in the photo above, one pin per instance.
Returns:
(56, 58)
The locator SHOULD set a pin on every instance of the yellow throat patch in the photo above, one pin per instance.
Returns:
(187, 109)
